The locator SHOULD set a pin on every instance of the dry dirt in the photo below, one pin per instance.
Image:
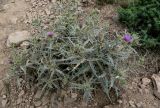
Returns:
(11, 13)
(17, 15)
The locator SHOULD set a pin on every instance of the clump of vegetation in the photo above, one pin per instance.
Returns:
(104, 1)
(144, 18)
(121, 2)
(77, 54)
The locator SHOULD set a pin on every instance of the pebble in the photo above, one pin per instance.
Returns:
(132, 104)
(19, 100)
(74, 95)
(139, 105)
(146, 81)
(45, 100)
(4, 102)
(25, 44)
(38, 94)
(4, 96)
(47, 11)
(106, 107)
(37, 103)
(21, 93)
(120, 101)
(52, 17)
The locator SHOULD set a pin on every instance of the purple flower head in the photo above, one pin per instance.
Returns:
(128, 38)
(50, 34)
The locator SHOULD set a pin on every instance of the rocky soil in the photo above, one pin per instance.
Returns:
(17, 21)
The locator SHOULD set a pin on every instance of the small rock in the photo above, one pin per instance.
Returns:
(4, 102)
(74, 95)
(156, 84)
(21, 93)
(139, 105)
(146, 81)
(146, 91)
(45, 100)
(53, 1)
(155, 104)
(48, 12)
(106, 107)
(45, 27)
(37, 103)
(31, 107)
(19, 100)
(132, 104)
(18, 37)
(59, 99)
(52, 17)
(130, 87)
(25, 44)
(140, 90)
(134, 84)
(4, 96)
(38, 94)
(119, 101)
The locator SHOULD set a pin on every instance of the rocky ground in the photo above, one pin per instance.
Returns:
(17, 20)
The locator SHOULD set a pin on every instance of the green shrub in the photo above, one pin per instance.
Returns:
(144, 18)
(79, 55)
(121, 2)
(104, 1)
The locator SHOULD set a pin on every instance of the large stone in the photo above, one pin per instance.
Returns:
(156, 84)
(18, 37)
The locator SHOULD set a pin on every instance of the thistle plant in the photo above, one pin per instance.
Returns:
(77, 54)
